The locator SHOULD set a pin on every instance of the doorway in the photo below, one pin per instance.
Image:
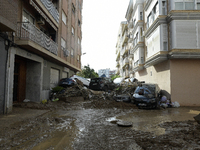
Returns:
(19, 91)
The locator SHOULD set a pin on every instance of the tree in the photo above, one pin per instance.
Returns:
(88, 72)
(113, 77)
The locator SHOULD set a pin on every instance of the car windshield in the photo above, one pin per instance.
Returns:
(145, 89)
(95, 80)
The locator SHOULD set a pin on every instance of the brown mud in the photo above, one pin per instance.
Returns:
(88, 124)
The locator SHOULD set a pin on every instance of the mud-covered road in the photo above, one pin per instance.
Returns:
(83, 125)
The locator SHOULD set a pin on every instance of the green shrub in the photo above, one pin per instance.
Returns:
(57, 89)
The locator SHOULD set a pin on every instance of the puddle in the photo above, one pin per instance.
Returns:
(195, 112)
(149, 120)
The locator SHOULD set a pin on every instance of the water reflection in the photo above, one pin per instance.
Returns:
(149, 120)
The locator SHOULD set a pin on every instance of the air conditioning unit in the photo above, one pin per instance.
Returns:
(66, 53)
(40, 20)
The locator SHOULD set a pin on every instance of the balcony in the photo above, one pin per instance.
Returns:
(118, 54)
(125, 62)
(130, 25)
(131, 56)
(117, 64)
(125, 38)
(27, 33)
(51, 8)
(124, 50)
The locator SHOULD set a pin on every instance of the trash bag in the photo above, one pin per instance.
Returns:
(175, 104)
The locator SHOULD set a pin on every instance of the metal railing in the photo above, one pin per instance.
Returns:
(51, 8)
(28, 31)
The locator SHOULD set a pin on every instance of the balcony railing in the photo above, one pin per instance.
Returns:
(125, 61)
(130, 24)
(125, 37)
(28, 31)
(51, 8)
(117, 64)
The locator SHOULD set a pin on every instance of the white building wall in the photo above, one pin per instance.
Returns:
(153, 42)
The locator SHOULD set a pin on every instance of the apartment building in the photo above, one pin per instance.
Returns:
(40, 44)
(122, 50)
(165, 46)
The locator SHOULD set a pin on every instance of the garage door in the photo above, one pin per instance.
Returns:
(54, 78)
(65, 75)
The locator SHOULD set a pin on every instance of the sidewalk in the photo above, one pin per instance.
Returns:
(19, 114)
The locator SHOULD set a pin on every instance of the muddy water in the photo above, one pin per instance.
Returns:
(90, 128)
(149, 120)
(80, 128)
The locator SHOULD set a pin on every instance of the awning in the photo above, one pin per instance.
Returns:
(42, 14)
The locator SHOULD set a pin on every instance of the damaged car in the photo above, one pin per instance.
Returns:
(101, 84)
(65, 82)
(147, 96)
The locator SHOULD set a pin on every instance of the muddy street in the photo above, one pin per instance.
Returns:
(91, 124)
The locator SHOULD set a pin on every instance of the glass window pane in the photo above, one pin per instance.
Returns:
(198, 6)
(64, 17)
(178, 5)
(189, 6)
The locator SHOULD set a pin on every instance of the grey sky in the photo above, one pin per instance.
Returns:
(101, 21)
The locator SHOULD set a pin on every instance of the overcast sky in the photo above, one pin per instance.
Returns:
(101, 21)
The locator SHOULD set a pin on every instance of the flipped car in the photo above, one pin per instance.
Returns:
(83, 80)
(147, 96)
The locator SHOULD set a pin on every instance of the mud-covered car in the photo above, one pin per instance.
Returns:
(147, 95)
(101, 84)
(65, 82)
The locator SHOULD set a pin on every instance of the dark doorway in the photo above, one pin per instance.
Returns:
(19, 91)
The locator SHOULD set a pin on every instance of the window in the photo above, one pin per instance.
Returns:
(163, 7)
(141, 16)
(73, 31)
(73, 8)
(165, 46)
(78, 41)
(27, 17)
(72, 52)
(189, 5)
(64, 17)
(184, 5)
(198, 6)
(149, 20)
(63, 43)
(78, 58)
(178, 5)
(134, 23)
(136, 38)
(79, 23)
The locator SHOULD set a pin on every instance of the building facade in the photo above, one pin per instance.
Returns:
(41, 43)
(165, 47)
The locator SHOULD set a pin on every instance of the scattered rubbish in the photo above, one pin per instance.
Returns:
(54, 100)
(122, 98)
(26, 100)
(44, 101)
(197, 118)
(175, 104)
(124, 123)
